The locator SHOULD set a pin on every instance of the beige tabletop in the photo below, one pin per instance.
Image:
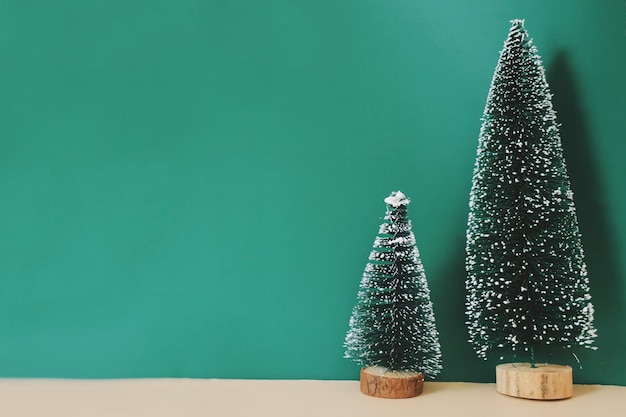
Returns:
(224, 398)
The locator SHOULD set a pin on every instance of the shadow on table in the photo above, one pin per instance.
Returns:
(580, 390)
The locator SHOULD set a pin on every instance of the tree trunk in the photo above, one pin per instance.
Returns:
(380, 382)
(544, 382)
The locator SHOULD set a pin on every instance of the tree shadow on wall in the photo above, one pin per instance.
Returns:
(598, 238)
(460, 363)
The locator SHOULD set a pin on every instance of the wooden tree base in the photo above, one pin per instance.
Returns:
(380, 382)
(544, 382)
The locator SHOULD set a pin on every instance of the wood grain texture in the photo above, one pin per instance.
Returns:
(380, 382)
(543, 382)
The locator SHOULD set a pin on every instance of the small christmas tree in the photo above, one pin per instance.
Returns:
(393, 324)
(527, 284)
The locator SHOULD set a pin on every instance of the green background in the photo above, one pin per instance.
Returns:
(191, 188)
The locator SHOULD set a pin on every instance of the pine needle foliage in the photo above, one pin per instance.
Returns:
(527, 283)
(393, 323)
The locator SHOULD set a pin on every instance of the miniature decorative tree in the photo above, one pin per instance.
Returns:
(392, 329)
(527, 284)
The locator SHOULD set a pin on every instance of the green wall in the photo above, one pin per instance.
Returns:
(191, 188)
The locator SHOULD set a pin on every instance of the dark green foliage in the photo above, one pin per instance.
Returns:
(527, 280)
(393, 324)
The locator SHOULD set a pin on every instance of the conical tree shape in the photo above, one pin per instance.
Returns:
(527, 282)
(393, 324)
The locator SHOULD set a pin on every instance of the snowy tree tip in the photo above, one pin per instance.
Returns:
(517, 22)
(397, 199)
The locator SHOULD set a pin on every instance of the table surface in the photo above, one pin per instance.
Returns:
(276, 398)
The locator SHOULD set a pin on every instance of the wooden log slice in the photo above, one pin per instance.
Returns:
(378, 381)
(544, 382)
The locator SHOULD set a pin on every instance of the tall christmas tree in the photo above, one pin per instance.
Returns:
(527, 284)
(393, 324)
